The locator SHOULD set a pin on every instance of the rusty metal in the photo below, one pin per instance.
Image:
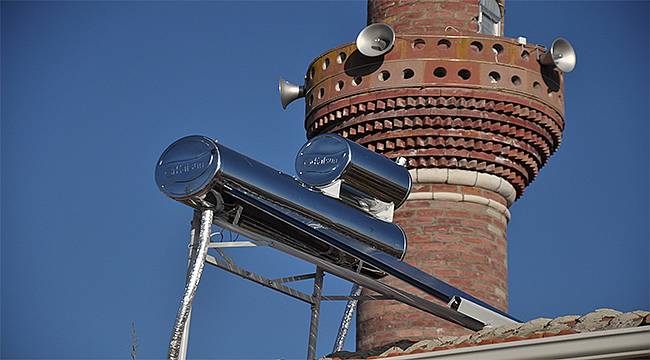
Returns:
(423, 54)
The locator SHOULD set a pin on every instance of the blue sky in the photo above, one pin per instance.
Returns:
(92, 92)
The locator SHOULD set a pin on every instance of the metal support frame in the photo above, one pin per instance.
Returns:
(315, 314)
(199, 246)
(234, 269)
(314, 300)
(386, 292)
(278, 284)
(355, 277)
(294, 278)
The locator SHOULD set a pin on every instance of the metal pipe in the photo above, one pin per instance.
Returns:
(191, 256)
(315, 314)
(191, 285)
(182, 352)
(346, 321)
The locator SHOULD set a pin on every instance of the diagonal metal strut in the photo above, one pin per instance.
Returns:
(234, 269)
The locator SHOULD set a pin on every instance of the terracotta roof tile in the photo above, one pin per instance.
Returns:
(601, 319)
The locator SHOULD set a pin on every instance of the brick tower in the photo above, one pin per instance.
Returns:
(475, 115)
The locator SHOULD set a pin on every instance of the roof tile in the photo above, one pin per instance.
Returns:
(601, 319)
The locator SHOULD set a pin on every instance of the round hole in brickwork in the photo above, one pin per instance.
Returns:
(525, 55)
(321, 93)
(341, 58)
(464, 74)
(384, 75)
(339, 85)
(537, 85)
(444, 44)
(497, 48)
(419, 44)
(312, 72)
(326, 63)
(408, 73)
(476, 46)
(516, 80)
(494, 76)
(357, 81)
(440, 72)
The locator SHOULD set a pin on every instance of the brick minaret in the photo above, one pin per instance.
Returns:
(475, 115)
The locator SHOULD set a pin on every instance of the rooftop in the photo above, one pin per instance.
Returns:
(598, 321)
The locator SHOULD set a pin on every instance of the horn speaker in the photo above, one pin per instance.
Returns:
(376, 40)
(561, 55)
(289, 92)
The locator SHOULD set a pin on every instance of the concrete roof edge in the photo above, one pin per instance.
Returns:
(608, 344)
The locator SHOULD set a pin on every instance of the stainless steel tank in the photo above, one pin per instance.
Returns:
(328, 158)
(201, 172)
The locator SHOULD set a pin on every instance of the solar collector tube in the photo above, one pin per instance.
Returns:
(194, 165)
(327, 158)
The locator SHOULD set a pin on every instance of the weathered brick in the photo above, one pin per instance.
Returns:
(450, 240)
(417, 17)
(432, 229)
(458, 213)
(428, 212)
(416, 204)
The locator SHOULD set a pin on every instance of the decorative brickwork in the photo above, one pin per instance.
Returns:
(477, 103)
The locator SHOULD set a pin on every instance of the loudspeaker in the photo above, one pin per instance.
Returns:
(561, 55)
(289, 92)
(376, 40)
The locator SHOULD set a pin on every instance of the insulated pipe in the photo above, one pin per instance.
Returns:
(192, 284)
(346, 321)
(194, 243)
